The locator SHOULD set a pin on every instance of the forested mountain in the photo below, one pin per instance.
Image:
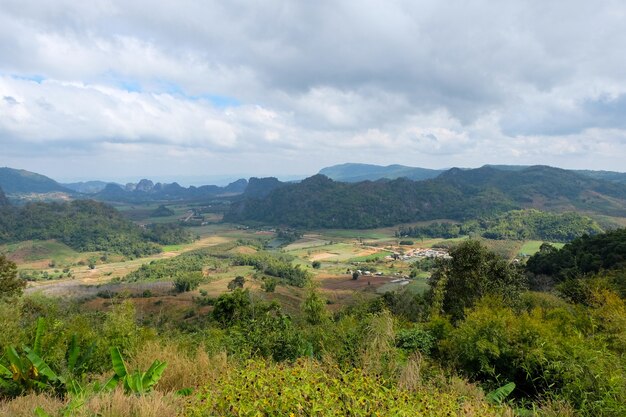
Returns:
(19, 181)
(456, 194)
(146, 190)
(367, 172)
(261, 187)
(86, 226)
(605, 175)
(363, 172)
(87, 187)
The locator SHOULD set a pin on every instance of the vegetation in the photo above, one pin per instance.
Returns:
(188, 281)
(276, 266)
(476, 342)
(162, 211)
(188, 262)
(86, 226)
(318, 202)
(471, 273)
(10, 284)
(528, 224)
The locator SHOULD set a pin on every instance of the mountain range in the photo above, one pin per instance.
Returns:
(321, 201)
(458, 194)
(351, 172)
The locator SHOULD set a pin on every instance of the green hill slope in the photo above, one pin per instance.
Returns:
(19, 181)
(456, 194)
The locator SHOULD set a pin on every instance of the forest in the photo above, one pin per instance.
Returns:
(457, 194)
(515, 225)
(86, 226)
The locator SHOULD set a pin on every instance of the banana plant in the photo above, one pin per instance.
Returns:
(28, 371)
(136, 382)
(76, 365)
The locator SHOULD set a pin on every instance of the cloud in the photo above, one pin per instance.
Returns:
(428, 83)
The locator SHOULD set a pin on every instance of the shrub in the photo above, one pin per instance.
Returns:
(269, 284)
(309, 389)
(415, 339)
(188, 281)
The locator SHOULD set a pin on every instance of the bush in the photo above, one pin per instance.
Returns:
(307, 388)
(269, 284)
(555, 352)
(415, 339)
(188, 281)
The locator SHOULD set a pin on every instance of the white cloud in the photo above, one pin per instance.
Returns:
(290, 87)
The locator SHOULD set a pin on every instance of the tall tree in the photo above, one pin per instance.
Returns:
(471, 273)
(10, 284)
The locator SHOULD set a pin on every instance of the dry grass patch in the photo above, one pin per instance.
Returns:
(184, 369)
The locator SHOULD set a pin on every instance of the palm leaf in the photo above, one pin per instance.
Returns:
(498, 396)
(111, 383)
(118, 363)
(38, 335)
(154, 373)
(41, 366)
(73, 351)
(15, 360)
(5, 371)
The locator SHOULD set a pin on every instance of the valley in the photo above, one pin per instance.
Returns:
(287, 278)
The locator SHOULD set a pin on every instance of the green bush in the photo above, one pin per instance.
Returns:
(545, 352)
(188, 281)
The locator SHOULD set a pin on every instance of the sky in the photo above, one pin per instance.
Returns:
(127, 89)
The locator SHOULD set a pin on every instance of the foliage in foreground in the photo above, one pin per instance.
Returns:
(308, 388)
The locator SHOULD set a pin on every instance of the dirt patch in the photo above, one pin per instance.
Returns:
(346, 283)
(243, 250)
(322, 255)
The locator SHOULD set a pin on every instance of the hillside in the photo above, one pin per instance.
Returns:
(19, 181)
(261, 187)
(86, 226)
(87, 187)
(367, 172)
(352, 172)
(456, 194)
(529, 224)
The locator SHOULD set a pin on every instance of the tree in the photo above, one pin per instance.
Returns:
(269, 284)
(471, 273)
(188, 281)
(314, 307)
(236, 283)
(10, 284)
(316, 264)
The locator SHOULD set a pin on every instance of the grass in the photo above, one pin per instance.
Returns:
(532, 246)
(372, 257)
(37, 250)
(173, 248)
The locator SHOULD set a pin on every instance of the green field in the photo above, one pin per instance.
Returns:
(36, 250)
(532, 246)
(372, 257)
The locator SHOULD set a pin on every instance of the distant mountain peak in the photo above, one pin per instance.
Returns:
(356, 172)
